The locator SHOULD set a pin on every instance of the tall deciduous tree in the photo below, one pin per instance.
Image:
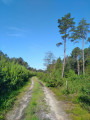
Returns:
(81, 33)
(66, 25)
(48, 60)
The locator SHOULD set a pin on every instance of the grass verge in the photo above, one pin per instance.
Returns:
(71, 106)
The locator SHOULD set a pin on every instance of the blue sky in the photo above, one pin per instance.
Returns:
(28, 28)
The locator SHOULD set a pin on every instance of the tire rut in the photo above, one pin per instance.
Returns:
(56, 111)
(18, 113)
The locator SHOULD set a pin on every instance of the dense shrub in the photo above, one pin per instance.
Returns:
(51, 79)
(12, 77)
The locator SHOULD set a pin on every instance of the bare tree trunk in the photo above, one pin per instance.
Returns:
(83, 56)
(64, 57)
(78, 65)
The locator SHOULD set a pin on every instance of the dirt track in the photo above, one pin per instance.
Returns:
(55, 111)
(18, 113)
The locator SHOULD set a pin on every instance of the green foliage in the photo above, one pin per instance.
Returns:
(76, 52)
(12, 77)
(88, 39)
(81, 34)
(66, 25)
(53, 76)
(37, 101)
(78, 86)
(1, 117)
(81, 30)
(20, 61)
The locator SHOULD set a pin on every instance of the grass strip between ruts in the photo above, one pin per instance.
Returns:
(35, 102)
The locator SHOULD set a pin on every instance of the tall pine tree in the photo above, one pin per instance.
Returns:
(81, 34)
(66, 25)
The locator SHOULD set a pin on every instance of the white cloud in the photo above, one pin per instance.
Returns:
(7, 1)
(16, 29)
(15, 32)
(14, 35)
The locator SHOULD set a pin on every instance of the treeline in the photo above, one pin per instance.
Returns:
(73, 63)
(13, 75)
(73, 82)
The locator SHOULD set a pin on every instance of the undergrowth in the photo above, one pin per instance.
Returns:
(76, 96)
(12, 98)
(76, 92)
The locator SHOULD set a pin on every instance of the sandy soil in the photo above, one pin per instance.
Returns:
(56, 107)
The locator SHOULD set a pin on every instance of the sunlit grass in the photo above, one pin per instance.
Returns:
(35, 102)
(73, 108)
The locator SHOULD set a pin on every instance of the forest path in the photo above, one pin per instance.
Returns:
(18, 113)
(55, 106)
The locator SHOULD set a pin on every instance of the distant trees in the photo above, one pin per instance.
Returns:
(20, 61)
(76, 55)
(87, 60)
(73, 67)
(58, 64)
(49, 60)
(66, 25)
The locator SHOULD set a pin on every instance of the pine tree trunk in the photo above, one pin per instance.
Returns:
(83, 56)
(78, 65)
(64, 57)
